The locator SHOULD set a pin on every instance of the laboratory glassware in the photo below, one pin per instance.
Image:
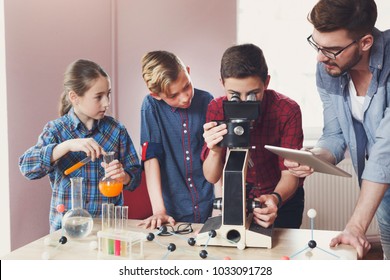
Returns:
(77, 222)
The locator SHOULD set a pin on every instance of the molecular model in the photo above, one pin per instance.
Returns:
(172, 247)
(46, 255)
(312, 244)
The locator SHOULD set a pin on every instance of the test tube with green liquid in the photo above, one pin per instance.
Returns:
(110, 227)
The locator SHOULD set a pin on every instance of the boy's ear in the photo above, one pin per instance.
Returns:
(267, 82)
(155, 95)
(188, 69)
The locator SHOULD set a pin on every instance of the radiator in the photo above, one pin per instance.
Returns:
(334, 199)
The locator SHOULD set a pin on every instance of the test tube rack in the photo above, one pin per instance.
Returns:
(114, 240)
(122, 244)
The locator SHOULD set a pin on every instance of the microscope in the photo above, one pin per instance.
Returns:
(235, 227)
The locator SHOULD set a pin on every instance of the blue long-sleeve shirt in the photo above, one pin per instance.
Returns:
(368, 141)
(108, 133)
(175, 137)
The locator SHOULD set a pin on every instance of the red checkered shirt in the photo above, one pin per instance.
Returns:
(279, 124)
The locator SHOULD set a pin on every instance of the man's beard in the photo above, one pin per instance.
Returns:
(341, 70)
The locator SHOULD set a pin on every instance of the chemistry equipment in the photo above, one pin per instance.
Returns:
(312, 244)
(114, 240)
(77, 222)
(110, 187)
(77, 165)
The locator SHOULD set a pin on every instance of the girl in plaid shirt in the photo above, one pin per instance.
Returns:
(82, 130)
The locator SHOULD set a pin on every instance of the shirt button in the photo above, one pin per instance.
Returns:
(187, 158)
(191, 185)
(189, 179)
(196, 206)
(185, 131)
(184, 124)
(187, 152)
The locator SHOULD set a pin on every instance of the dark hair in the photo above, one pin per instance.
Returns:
(78, 77)
(358, 17)
(243, 61)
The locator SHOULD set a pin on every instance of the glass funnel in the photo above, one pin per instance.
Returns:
(110, 187)
(77, 222)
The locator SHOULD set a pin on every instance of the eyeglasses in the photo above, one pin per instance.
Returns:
(325, 52)
(181, 229)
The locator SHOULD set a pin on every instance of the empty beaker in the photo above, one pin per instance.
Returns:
(110, 187)
(77, 222)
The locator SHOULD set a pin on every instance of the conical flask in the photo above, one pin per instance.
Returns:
(77, 222)
(110, 187)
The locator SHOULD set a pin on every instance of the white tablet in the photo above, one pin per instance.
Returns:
(309, 159)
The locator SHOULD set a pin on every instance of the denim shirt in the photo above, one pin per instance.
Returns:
(368, 142)
(175, 137)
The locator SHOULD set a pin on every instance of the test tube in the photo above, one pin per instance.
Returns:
(77, 165)
(110, 227)
(111, 215)
(118, 218)
(125, 215)
(105, 217)
(118, 225)
(105, 226)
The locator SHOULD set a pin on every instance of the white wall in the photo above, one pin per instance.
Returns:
(43, 37)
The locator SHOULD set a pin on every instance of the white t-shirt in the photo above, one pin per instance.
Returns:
(356, 102)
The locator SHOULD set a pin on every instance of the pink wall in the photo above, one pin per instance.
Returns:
(197, 31)
(43, 37)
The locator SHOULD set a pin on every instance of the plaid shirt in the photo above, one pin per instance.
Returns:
(111, 135)
(279, 124)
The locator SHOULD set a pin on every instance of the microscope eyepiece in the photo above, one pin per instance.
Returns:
(235, 97)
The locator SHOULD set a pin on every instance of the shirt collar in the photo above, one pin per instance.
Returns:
(76, 124)
(377, 50)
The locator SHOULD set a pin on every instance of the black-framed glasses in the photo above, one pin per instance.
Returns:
(167, 230)
(327, 53)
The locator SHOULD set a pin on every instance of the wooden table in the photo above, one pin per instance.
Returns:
(285, 242)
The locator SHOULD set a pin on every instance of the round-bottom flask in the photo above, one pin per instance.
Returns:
(107, 186)
(77, 222)
(110, 188)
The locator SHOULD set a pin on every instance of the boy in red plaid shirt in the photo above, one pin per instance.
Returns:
(244, 72)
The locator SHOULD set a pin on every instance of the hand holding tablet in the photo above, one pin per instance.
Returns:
(309, 159)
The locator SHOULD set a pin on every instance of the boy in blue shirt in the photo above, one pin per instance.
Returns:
(172, 118)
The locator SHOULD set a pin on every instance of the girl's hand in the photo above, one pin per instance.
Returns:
(88, 145)
(114, 170)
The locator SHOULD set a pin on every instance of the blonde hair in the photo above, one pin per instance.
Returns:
(159, 69)
(78, 77)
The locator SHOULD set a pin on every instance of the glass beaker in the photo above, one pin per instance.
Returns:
(77, 222)
(107, 186)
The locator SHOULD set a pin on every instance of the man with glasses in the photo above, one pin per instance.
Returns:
(353, 80)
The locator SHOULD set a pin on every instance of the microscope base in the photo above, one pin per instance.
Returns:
(235, 235)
